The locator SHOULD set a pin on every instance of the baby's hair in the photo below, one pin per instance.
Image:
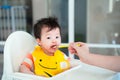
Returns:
(50, 22)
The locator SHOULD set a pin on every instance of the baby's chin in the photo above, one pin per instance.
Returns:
(53, 50)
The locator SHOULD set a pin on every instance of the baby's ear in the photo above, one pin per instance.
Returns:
(38, 41)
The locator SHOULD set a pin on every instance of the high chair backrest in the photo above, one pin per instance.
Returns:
(17, 45)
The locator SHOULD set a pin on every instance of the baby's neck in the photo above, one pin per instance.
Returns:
(49, 54)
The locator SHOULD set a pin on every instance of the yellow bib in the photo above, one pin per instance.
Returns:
(49, 65)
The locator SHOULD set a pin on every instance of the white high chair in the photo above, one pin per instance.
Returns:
(19, 43)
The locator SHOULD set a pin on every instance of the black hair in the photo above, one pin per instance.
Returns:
(50, 22)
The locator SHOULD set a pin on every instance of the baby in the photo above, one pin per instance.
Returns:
(46, 59)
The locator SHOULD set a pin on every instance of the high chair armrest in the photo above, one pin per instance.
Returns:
(23, 76)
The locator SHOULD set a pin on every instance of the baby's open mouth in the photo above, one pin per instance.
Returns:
(54, 46)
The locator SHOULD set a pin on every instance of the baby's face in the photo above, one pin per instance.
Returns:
(50, 40)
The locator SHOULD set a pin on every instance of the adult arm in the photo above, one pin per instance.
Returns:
(82, 51)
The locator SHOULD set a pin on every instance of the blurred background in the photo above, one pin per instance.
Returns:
(91, 21)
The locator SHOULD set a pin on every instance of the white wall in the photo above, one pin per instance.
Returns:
(39, 9)
(102, 24)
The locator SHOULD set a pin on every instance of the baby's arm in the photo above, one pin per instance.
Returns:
(73, 62)
(27, 65)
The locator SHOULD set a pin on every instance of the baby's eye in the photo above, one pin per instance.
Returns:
(57, 37)
(48, 37)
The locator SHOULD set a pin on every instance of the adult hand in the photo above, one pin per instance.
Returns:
(80, 49)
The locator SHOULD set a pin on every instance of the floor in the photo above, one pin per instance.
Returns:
(1, 65)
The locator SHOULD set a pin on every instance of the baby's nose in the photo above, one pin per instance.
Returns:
(54, 40)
